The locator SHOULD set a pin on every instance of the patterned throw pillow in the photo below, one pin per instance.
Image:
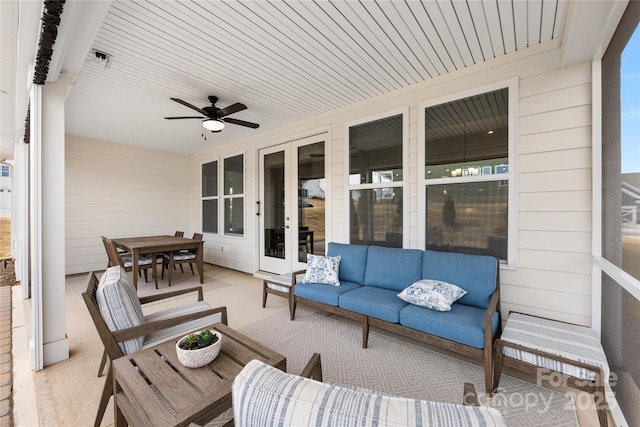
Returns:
(322, 269)
(433, 294)
(119, 305)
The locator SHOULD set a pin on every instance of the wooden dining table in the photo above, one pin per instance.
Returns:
(151, 245)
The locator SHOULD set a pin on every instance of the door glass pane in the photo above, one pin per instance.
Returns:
(311, 201)
(376, 217)
(273, 209)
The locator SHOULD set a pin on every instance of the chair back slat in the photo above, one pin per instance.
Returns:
(179, 233)
(197, 236)
(112, 253)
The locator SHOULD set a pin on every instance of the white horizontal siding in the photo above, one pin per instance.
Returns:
(120, 190)
(553, 178)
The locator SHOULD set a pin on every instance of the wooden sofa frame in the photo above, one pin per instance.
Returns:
(485, 354)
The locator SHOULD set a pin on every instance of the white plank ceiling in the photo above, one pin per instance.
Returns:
(285, 60)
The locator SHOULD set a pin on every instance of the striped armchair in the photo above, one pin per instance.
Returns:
(265, 396)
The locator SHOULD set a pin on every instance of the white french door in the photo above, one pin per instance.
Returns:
(291, 204)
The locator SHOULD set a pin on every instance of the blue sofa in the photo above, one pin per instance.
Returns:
(372, 276)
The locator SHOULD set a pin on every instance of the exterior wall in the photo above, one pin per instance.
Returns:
(5, 195)
(552, 276)
(120, 190)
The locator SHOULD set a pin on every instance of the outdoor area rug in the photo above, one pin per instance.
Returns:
(396, 366)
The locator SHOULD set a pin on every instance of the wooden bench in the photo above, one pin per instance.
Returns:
(554, 350)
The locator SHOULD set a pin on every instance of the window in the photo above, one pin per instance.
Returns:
(466, 174)
(620, 211)
(210, 197)
(6, 171)
(234, 196)
(375, 181)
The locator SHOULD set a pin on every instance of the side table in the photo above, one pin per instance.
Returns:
(281, 285)
(152, 388)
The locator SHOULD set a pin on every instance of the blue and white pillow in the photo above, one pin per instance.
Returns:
(322, 269)
(433, 294)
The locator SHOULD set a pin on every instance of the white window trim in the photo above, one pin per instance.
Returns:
(404, 184)
(203, 198)
(512, 234)
(223, 197)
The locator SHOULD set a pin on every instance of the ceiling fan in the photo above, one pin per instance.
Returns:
(214, 117)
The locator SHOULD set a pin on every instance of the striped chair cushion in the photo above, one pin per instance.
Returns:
(119, 305)
(181, 256)
(182, 329)
(142, 260)
(265, 396)
(561, 339)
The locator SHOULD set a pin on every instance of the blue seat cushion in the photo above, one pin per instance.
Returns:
(375, 302)
(476, 274)
(463, 324)
(353, 262)
(393, 268)
(326, 294)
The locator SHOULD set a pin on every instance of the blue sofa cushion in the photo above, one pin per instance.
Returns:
(327, 294)
(375, 302)
(353, 262)
(476, 274)
(463, 324)
(393, 268)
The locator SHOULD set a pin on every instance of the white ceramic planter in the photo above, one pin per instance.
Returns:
(201, 356)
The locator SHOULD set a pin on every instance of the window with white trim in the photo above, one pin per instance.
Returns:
(233, 195)
(376, 181)
(210, 197)
(466, 174)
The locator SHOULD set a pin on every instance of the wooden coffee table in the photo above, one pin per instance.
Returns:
(152, 388)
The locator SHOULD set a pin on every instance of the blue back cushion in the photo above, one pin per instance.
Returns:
(353, 262)
(476, 274)
(393, 268)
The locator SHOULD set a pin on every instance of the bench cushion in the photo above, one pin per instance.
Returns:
(393, 268)
(463, 324)
(476, 274)
(375, 302)
(558, 338)
(326, 294)
(353, 261)
(265, 396)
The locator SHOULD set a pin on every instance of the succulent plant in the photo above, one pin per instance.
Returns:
(197, 340)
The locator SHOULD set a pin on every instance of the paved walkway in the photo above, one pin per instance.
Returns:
(6, 369)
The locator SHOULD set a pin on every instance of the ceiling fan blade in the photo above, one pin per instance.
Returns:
(241, 123)
(233, 108)
(186, 104)
(185, 117)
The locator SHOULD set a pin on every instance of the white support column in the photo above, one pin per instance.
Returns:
(48, 219)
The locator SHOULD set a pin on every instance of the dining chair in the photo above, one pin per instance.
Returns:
(171, 259)
(116, 311)
(160, 256)
(126, 261)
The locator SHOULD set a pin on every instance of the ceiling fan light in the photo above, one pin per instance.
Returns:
(213, 125)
